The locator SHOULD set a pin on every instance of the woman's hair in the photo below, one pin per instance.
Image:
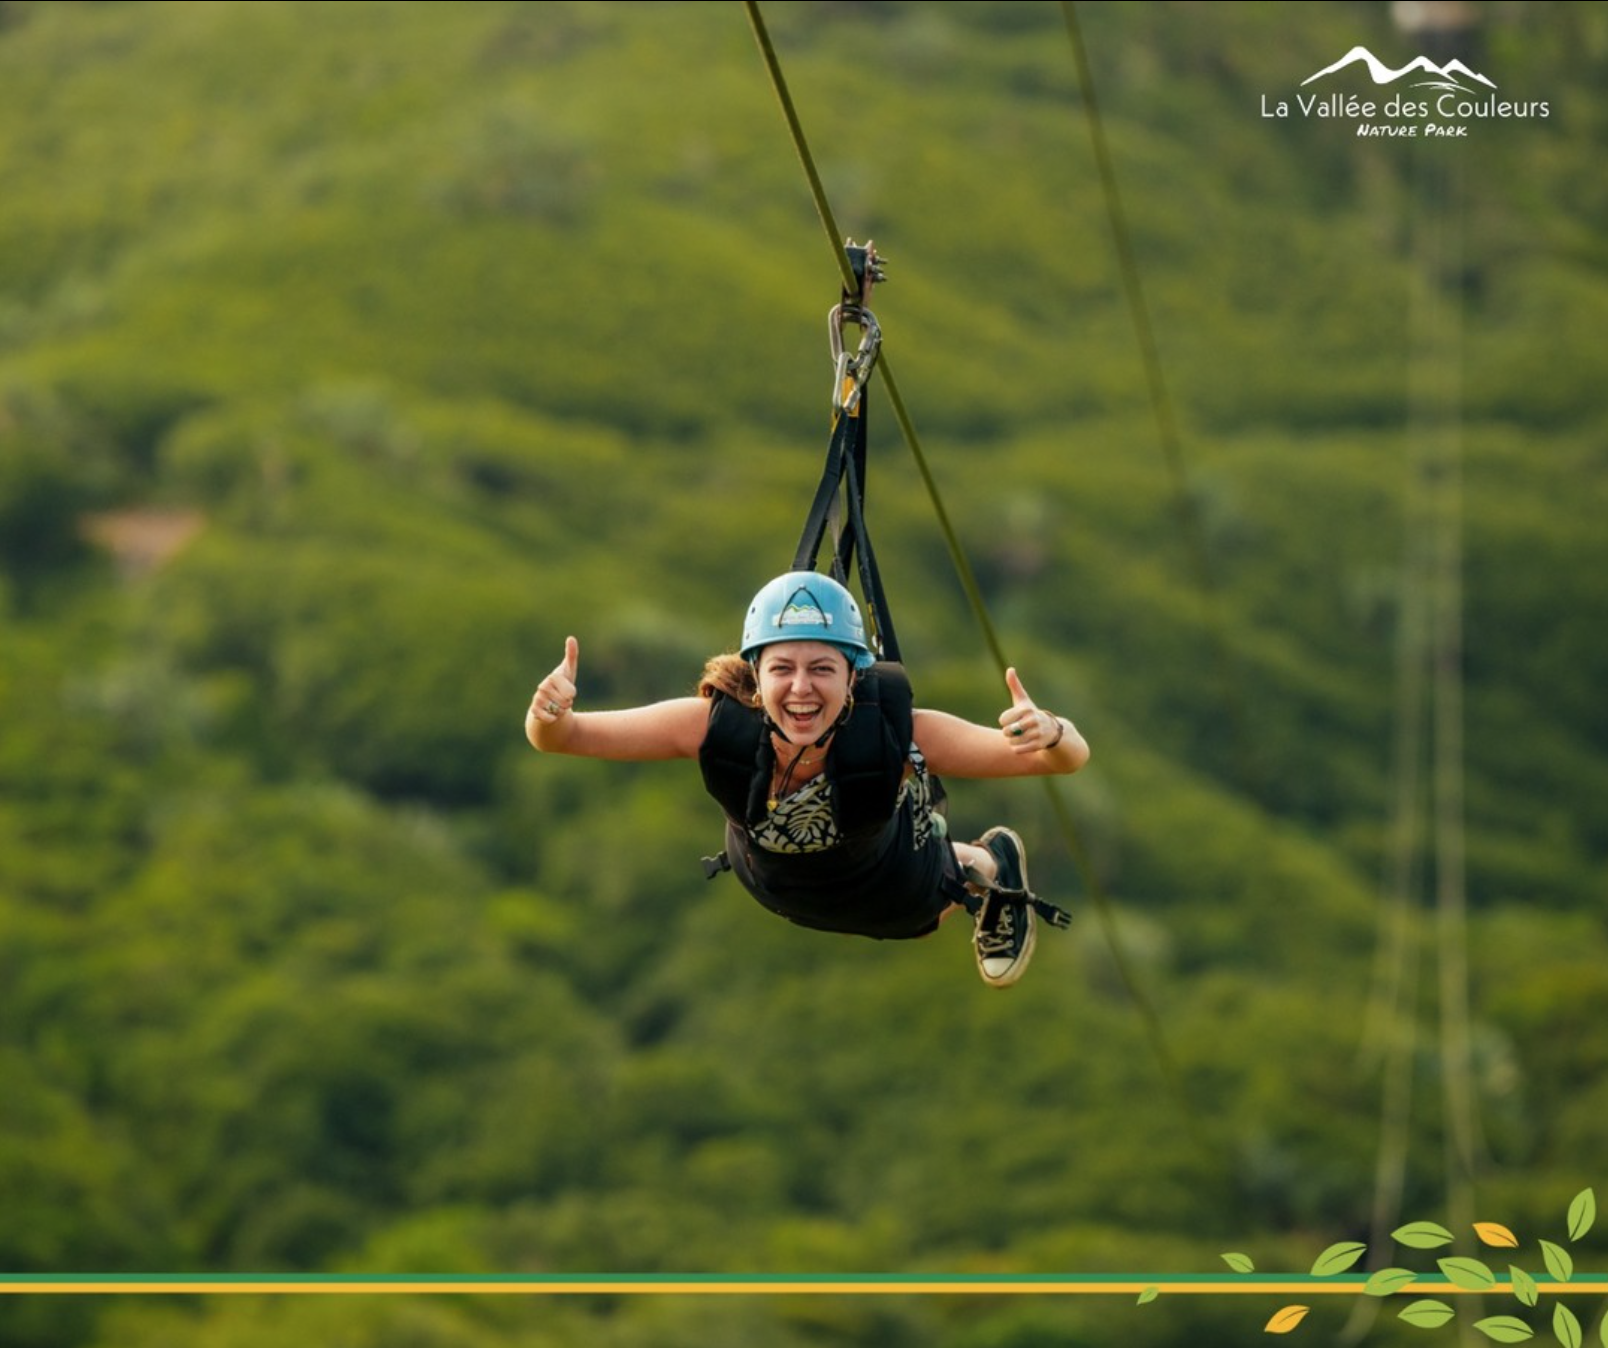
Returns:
(732, 675)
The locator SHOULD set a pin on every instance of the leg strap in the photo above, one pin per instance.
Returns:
(1056, 917)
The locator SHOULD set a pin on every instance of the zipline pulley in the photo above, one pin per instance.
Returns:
(851, 373)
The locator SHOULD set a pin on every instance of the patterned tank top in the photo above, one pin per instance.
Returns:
(802, 821)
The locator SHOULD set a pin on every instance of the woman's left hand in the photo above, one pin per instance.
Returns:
(1028, 729)
(1029, 742)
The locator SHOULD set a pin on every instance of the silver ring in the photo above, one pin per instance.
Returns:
(554, 708)
(1017, 732)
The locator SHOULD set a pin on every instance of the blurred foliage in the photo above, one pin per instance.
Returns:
(463, 328)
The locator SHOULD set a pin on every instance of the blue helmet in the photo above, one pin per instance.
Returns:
(807, 606)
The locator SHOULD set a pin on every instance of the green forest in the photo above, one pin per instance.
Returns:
(353, 355)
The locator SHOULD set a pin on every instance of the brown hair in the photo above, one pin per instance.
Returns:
(732, 675)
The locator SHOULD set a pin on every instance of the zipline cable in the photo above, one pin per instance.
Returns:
(1391, 1037)
(1430, 680)
(963, 569)
(1162, 407)
(1149, 1016)
(1464, 1142)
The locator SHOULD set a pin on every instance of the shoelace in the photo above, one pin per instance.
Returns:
(1000, 939)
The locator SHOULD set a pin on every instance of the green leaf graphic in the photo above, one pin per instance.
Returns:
(1559, 1262)
(1566, 1327)
(1388, 1281)
(1149, 1294)
(1338, 1258)
(1240, 1263)
(1602, 1330)
(1469, 1274)
(1504, 1329)
(1428, 1314)
(1523, 1285)
(1422, 1235)
(1582, 1213)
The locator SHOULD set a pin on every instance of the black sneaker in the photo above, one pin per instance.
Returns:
(1006, 929)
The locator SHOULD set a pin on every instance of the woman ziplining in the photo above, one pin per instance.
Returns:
(827, 773)
(828, 776)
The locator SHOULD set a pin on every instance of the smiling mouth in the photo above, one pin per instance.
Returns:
(801, 717)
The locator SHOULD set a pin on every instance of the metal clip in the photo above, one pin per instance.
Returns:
(850, 374)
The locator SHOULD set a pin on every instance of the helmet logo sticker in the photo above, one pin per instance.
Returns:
(807, 613)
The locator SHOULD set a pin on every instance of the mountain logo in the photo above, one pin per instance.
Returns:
(1441, 77)
(1427, 100)
(807, 614)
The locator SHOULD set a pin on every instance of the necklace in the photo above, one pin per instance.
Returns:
(787, 777)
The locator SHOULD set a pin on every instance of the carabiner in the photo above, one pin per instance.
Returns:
(851, 373)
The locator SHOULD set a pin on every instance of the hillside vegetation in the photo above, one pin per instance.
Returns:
(354, 354)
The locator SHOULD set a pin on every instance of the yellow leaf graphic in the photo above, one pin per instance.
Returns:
(1286, 1320)
(1494, 1233)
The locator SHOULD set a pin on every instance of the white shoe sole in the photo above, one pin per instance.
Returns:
(1008, 971)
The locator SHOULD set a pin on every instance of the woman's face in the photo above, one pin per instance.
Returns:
(804, 686)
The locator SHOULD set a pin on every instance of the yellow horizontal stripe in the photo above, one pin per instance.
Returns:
(757, 1287)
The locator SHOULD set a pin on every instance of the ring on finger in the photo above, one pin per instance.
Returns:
(554, 708)
(1017, 732)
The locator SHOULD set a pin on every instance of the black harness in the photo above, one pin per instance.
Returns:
(870, 749)
(865, 765)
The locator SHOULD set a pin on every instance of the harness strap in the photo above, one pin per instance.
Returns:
(841, 490)
(1056, 917)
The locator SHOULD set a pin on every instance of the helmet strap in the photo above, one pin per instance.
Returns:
(842, 719)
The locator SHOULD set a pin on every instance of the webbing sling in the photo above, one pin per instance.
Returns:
(842, 485)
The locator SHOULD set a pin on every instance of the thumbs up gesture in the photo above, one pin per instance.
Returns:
(1026, 727)
(555, 695)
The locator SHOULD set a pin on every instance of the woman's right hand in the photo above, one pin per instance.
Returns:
(673, 729)
(555, 695)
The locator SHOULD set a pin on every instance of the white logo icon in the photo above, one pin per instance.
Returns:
(1444, 77)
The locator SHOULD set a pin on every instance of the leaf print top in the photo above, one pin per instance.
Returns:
(802, 821)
